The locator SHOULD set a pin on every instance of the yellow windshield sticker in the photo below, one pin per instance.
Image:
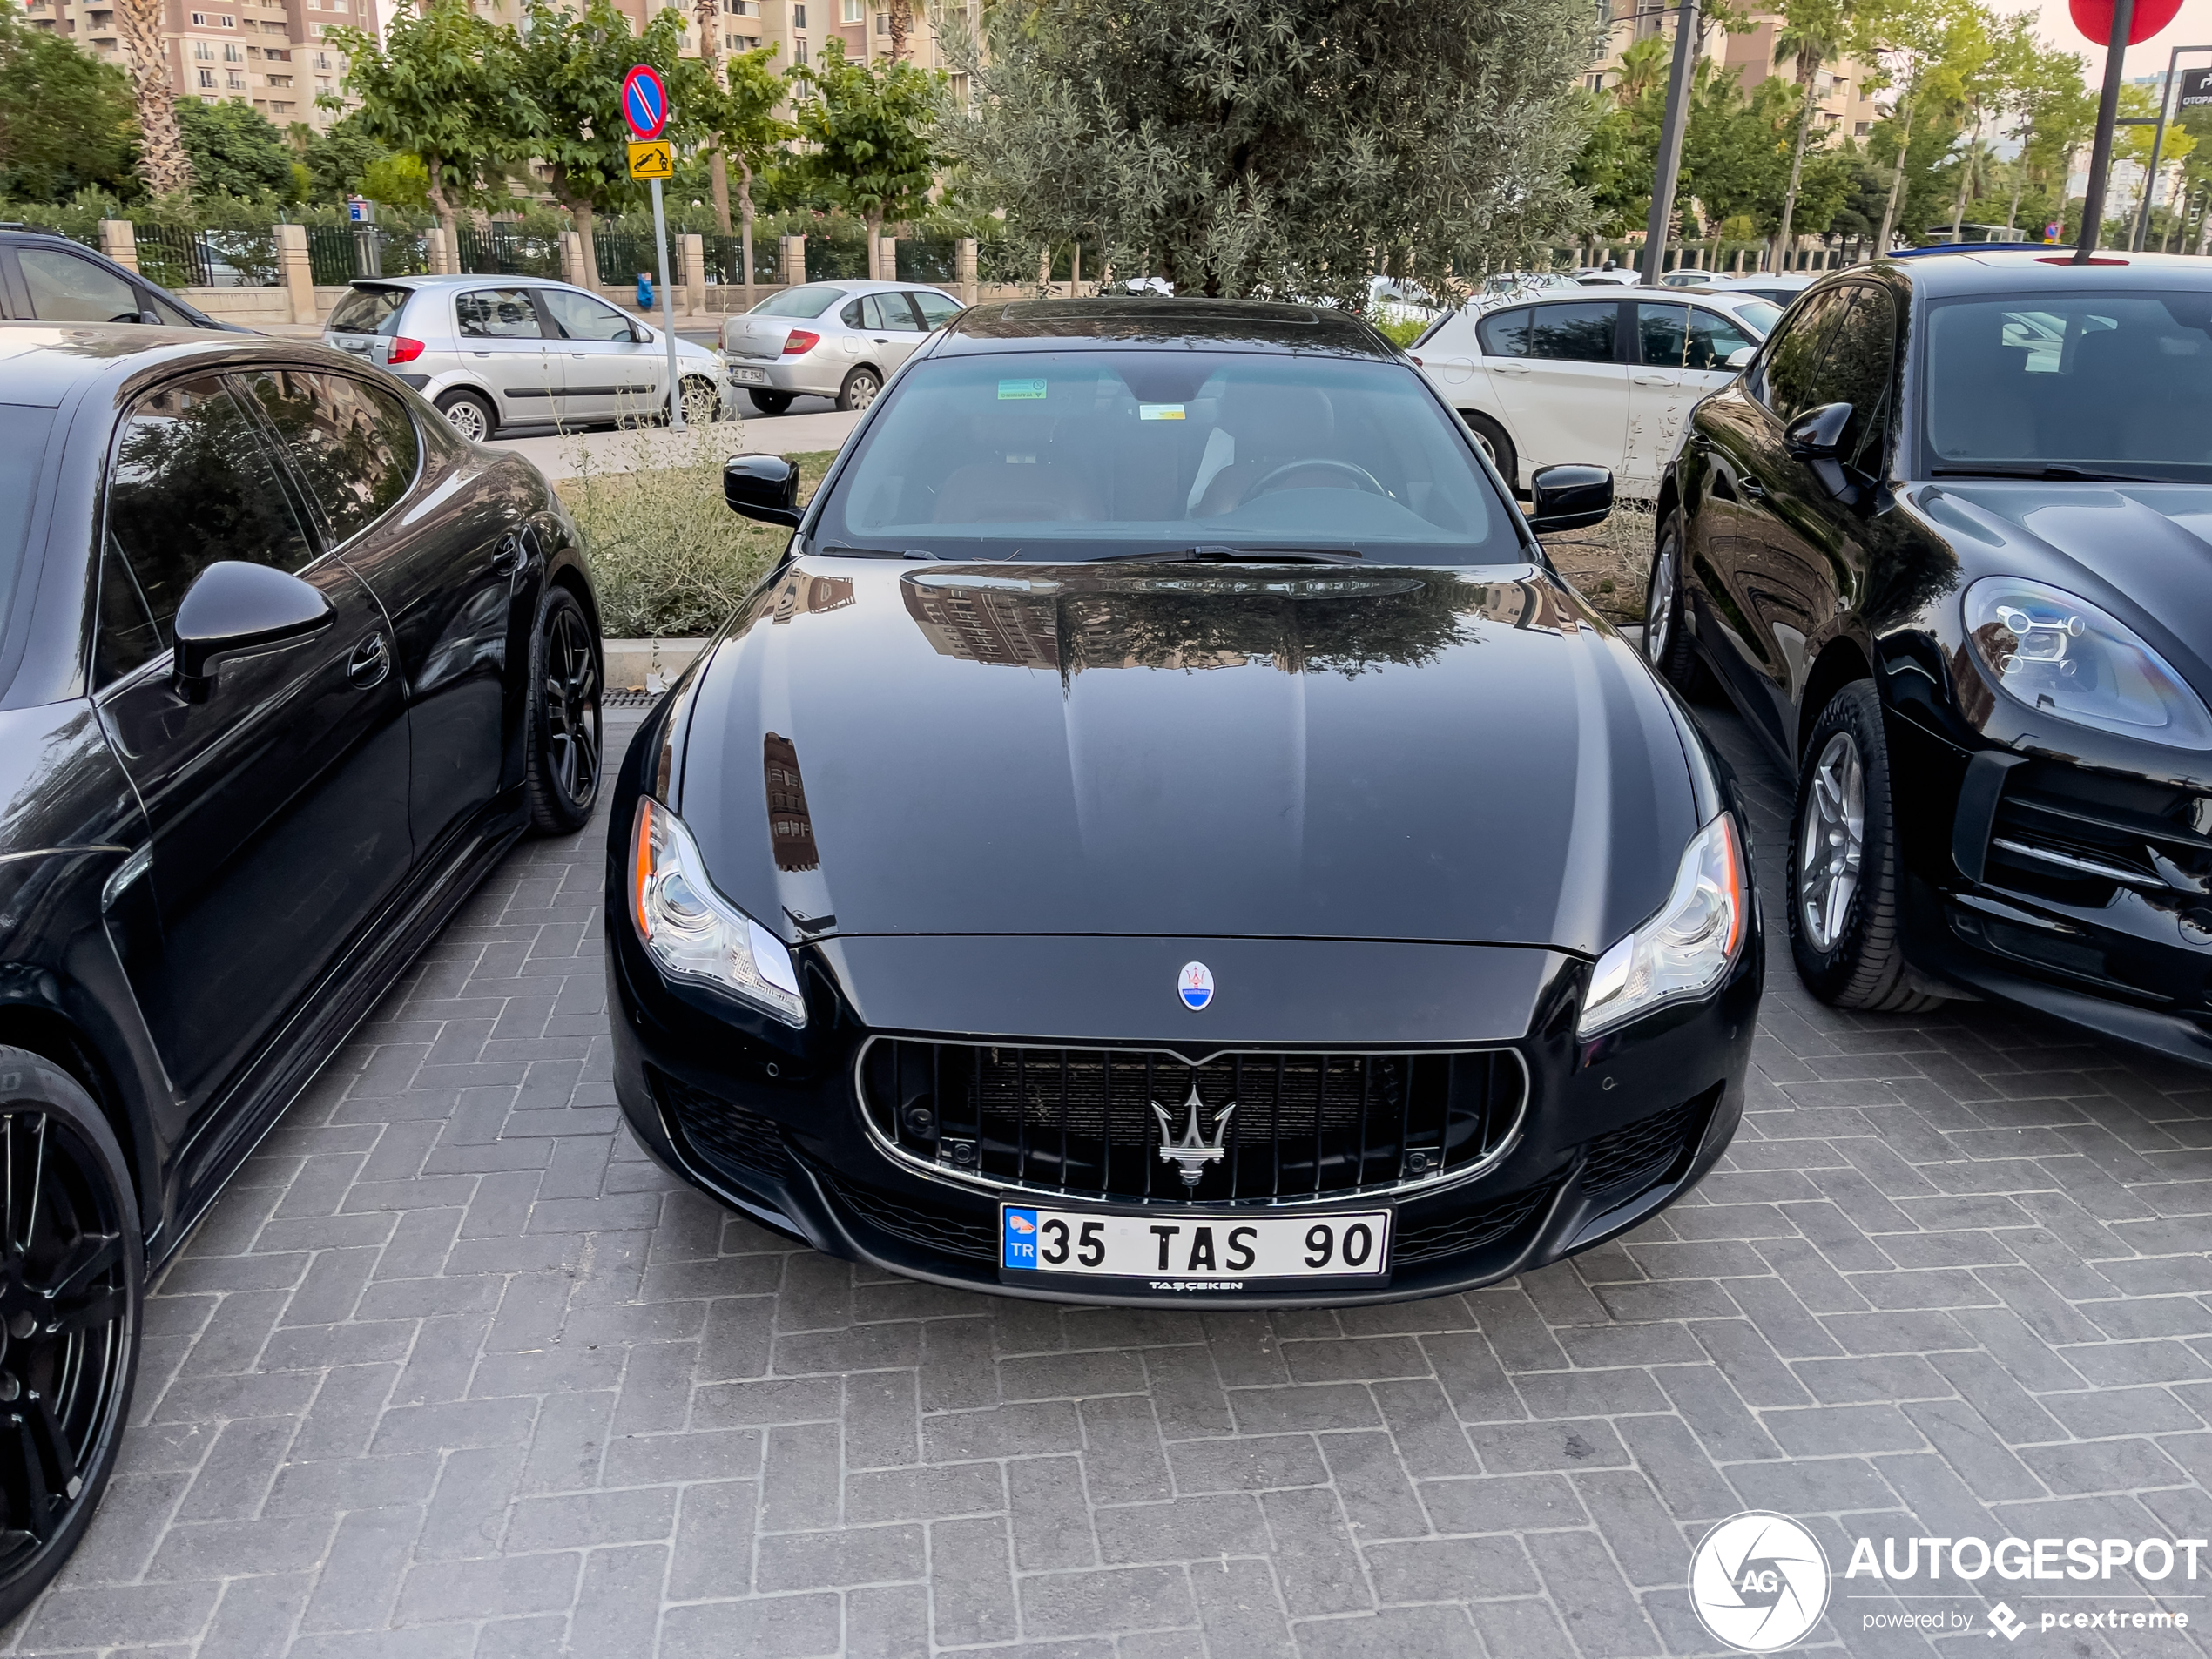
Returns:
(1019, 389)
(1159, 411)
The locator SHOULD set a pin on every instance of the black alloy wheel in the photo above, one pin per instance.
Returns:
(564, 716)
(860, 389)
(71, 1281)
(1843, 887)
(1666, 639)
(769, 402)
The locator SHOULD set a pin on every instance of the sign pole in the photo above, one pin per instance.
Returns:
(667, 314)
(2093, 205)
(1670, 133)
(2169, 100)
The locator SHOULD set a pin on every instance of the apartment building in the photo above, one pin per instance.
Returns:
(271, 53)
(800, 29)
(1841, 95)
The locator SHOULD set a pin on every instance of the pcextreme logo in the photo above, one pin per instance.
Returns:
(1759, 1582)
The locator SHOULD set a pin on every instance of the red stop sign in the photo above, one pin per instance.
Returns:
(2093, 19)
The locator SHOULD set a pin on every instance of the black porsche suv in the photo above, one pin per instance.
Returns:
(1944, 543)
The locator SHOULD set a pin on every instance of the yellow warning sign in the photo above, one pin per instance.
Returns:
(654, 158)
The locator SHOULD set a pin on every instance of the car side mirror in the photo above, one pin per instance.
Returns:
(640, 335)
(764, 487)
(234, 609)
(1742, 356)
(1818, 434)
(1568, 497)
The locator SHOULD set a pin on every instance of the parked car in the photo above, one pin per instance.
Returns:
(1139, 844)
(494, 351)
(1606, 382)
(1778, 287)
(1608, 277)
(860, 332)
(46, 277)
(1941, 544)
(1397, 300)
(287, 667)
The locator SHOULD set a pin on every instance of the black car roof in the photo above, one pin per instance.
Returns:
(41, 362)
(2010, 271)
(1113, 320)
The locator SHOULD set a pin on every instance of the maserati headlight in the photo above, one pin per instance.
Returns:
(1684, 948)
(2063, 657)
(695, 933)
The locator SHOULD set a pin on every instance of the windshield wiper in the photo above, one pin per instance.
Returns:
(2069, 475)
(1212, 555)
(838, 550)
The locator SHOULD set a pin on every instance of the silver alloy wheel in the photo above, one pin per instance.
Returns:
(700, 403)
(1489, 451)
(1659, 603)
(1832, 841)
(466, 416)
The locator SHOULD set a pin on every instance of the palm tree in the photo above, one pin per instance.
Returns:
(162, 160)
(1812, 31)
(1643, 67)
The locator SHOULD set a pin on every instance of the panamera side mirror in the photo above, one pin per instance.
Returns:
(1742, 356)
(234, 608)
(1818, 433)
(765, 487)
(1567, 497)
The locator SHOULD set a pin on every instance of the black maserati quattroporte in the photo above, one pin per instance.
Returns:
(1165, 832)
(1944, 542)
(284, 667)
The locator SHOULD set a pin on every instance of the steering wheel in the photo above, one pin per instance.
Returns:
(1361, 478)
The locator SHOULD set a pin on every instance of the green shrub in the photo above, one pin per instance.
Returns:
(1401, 335)
(669, 557)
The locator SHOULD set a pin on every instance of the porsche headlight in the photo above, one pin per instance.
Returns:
(2063, 657)
(695, 933)
(1685, 948)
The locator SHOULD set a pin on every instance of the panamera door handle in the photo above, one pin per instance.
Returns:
(1509, 369)
(511, 556)
(1656, 379)
(369, 663)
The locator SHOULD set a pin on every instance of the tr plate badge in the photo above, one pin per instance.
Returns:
(1195, 984)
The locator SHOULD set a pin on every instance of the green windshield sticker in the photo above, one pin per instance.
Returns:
(1159, 411)
(1019, 389)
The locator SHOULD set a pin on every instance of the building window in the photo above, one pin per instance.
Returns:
(882, 22)
(207, 78)
(798, 16)
(855, 11)
(797, 51)
(323, 60)
(236, 81)
(279, 80)
(232, 54)
(203, 51)
(282, 108)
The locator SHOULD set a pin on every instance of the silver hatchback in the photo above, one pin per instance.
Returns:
(493, 351)
(839, 340)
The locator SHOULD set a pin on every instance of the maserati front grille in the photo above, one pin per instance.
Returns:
(1142, 1126)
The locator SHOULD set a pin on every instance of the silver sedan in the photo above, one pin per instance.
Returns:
(839, 340)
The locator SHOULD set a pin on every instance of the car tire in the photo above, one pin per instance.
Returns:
(1667, 645)
(860, 389)
(470, 413)
(71, 1309)
(565, 750)
(1842, 885)
(1491, 439)
(702, 403)
(769, 402)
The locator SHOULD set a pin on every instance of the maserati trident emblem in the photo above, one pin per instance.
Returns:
(1193, 1152)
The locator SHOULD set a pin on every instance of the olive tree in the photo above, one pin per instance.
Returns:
(1280, 146)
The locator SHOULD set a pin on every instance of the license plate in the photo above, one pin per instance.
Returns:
(749, 376)
(1170, 1251)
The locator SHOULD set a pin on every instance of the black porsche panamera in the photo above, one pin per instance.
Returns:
(285, 666)
(1945, 543)
(1164, 830)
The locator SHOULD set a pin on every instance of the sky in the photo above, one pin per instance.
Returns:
(2192, 27)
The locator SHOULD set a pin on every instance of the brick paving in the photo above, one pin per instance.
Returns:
(452, 1370)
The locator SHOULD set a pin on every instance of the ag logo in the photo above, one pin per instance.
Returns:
(1759, 1582)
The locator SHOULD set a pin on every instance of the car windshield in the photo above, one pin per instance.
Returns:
(23, 447)
(1110, 454)
(2116, 385)
(1760, 314)
(809, 301)
(368, 311)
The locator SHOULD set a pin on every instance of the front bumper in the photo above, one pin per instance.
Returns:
(771, 1121)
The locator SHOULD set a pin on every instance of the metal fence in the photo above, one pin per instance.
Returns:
(725, 255)
(504, 251)
(836, 257)
(336, 254)
(622, 255)
(928, 259)
(186, 259)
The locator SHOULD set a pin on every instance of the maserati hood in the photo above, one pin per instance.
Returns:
(1308, 751)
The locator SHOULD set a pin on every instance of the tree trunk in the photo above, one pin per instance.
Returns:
(744, 233)
(1897, 185)
(873, 219)
(436, 191)
(2013, 213)
(163, 162)
(901, 21)
(1797, 167)
(718, 176)
(1966, 179)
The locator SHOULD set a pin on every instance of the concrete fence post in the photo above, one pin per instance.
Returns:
(964, 269)
(791, 260)
(577, 267)
(691, 264)
(120, 241)
(887, 258)
(442, 253)
(294, 274)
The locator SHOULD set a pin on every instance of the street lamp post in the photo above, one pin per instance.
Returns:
(2168, 99)
(1669, 168)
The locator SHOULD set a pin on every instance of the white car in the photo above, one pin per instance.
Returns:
(1605, 382)
(495, 351)
(838, 339)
